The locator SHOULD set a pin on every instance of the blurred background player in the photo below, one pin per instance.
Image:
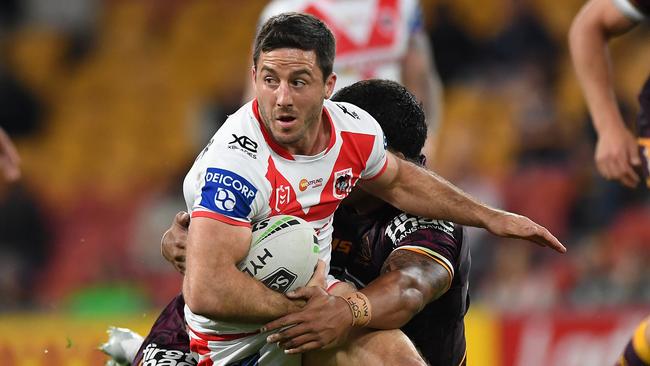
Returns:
(618, 156)
(376, 39)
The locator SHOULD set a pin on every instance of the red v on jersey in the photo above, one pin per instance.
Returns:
(355, 152)
(383, 34)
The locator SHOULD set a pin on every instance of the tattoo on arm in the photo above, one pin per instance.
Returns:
(432, 272)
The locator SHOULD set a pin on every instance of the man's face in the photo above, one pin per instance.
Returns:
(290, 90)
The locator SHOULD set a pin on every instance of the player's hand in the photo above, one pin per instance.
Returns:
(324, 322)
(511, 225)
(319, 278)
(617, 154)
(172, 245)
(9, 159)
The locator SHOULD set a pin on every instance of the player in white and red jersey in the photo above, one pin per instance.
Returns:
(376, 39)
(291, 137)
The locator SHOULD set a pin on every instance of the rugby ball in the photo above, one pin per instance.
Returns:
(283, 253)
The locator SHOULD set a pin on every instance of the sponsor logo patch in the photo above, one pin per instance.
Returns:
(154, 355)
(304, 184)
(404, 224)
(228, 193)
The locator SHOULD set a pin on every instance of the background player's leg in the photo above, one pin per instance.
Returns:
(637, 351)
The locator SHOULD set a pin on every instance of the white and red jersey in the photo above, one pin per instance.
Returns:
(244, 176)
(372, 36)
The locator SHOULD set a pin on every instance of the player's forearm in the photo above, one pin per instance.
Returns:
(233, 296)
(590, 55)
(424, 193)
(395, 298)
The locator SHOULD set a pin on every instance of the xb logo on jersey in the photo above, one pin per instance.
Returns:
(342, 183)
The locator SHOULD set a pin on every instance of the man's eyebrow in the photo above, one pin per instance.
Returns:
(299, 72)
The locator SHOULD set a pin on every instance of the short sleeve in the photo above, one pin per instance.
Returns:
(435, 239)
(227, 187)
(377, 160)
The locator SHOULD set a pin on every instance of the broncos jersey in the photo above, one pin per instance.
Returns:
(361, 245)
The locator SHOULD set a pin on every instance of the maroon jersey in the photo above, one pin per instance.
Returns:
(167, 340)
(361, 245)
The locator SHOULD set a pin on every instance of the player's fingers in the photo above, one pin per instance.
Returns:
(628, 176)
(545, 238)
(182, 219)
(318, 279)
(309, 346)
(286, 335)
(285, 321)
(299, 341)
(633, 151)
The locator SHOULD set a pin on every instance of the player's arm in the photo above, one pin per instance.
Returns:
(214, 287)
(596, 23)
(423, 193)
(420, 77)
(409, 281)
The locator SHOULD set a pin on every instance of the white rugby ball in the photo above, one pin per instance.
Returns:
(283, 253)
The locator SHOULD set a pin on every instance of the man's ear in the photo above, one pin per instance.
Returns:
(330, 82)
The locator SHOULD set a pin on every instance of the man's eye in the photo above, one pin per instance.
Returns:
(299, 83)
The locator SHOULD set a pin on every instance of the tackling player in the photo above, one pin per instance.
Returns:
(252, 168)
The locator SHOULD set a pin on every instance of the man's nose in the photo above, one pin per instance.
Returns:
(283, 95)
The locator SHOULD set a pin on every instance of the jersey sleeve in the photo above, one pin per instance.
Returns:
(435, 239)
(637, 10)
(227, 186)
(377, 160)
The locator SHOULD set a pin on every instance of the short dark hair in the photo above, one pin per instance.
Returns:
(398, 112)
(301, 31)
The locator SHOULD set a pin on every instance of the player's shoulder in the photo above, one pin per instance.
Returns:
(349, 117)
(237, 147)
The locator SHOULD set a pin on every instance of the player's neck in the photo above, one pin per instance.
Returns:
(316, 141)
